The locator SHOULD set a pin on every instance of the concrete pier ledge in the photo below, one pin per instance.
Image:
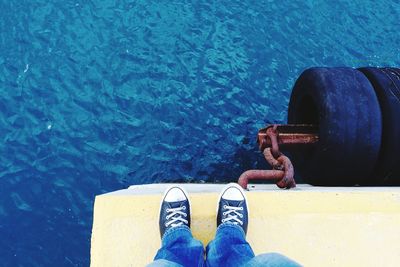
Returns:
(316, 226)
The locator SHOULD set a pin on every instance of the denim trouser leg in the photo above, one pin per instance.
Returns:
(271, 260)
(229, 247)
(179, 248)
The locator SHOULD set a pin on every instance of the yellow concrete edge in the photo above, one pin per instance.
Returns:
(315, 228)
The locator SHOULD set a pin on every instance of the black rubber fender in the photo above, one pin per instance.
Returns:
(342, 102)
(386, 82)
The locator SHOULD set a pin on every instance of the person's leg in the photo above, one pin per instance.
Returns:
(163, 263)
(179, 248)
(230, 248)
(271, 260)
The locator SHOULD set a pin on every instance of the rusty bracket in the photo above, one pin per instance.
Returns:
(287, 136)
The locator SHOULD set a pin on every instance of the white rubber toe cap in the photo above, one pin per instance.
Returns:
(233, 192)
(175, 194)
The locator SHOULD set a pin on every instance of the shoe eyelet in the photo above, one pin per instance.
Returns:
(167, 210)
(184, 208)
(224, 213)
(224, 206)
(241, 215)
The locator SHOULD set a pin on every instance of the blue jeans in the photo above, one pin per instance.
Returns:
(229, 248)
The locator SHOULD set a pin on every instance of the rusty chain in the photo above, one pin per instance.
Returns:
(282, 168)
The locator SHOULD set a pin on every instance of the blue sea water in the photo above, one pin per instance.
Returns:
(98, 95)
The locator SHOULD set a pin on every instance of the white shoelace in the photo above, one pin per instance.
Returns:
(232, 215)
(177, 215)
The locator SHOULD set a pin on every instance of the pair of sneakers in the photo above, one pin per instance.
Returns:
(175, 208)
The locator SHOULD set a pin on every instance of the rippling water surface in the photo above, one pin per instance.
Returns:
(98, 95)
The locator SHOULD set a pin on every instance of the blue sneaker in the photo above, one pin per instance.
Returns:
(232, 207)
(174, 210)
